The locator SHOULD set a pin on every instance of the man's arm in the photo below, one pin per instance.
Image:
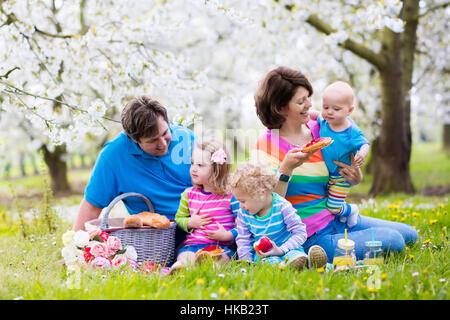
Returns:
(86, 212)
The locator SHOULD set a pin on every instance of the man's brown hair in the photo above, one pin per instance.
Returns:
(140, 117)
(274, 93)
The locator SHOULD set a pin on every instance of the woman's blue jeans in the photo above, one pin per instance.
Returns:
(394, 235)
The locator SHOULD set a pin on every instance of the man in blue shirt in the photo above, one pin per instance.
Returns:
(150, 157)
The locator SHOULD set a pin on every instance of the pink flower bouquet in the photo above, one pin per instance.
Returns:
(96, 249)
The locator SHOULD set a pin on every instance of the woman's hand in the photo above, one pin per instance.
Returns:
(220, 234)
(274, 251)
(198, 221)
(352, 173)
(293, 159)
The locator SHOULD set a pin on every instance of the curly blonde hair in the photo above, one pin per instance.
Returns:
(220, 172)
(253, 178)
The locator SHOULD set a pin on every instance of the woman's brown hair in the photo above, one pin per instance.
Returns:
(274, 93)
(220, 172)
(140, 117)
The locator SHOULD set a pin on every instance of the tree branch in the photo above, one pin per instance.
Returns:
(16, 91)
(53, 35)
(437, 7)
(360, 50)
(84, 26)
(6, 75)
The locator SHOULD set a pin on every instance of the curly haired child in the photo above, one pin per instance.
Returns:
(264, 213)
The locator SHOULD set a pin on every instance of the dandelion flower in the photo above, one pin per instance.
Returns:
(384, 276)
(222, 291)
(425, 271)
(200, 281)
(371, 290)
(246, 294)
(426, 241)
(433, 221)
(320, 270)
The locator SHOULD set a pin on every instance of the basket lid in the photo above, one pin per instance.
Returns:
(346, 244)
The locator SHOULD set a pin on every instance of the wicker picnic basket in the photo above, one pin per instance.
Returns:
(151, 244)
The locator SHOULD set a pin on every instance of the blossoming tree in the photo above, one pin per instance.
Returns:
(68, 75)
(68, 67)
(385, 34)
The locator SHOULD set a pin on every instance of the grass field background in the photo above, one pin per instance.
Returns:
(32, 222)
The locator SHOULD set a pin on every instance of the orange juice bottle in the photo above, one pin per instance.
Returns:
(344, 255)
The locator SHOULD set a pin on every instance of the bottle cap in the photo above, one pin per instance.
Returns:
(346, 244)
(373, 243)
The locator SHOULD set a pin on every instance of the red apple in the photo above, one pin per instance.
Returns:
(263, 245)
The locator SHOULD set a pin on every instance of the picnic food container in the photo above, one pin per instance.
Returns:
(151, 244)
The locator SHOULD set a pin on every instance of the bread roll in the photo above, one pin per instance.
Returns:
(154, 220)
(132, 221)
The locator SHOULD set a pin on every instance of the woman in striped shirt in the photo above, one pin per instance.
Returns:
(205, 209)
(283, 100)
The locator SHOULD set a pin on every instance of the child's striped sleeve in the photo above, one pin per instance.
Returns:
(183, 214)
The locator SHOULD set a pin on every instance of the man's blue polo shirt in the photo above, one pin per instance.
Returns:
(123, 166)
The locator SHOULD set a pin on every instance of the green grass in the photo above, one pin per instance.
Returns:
(28, 268)
(30, 249)
(429, 166)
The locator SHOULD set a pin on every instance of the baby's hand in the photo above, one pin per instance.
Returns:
(197, 221)
(274, 251)
(359, 159)
(314, 114)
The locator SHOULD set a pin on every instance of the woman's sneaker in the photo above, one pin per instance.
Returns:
(317, 257)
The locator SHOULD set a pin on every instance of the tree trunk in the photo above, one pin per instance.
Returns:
(446, 139)
(57, 168)
(391, 157)
(393, 152)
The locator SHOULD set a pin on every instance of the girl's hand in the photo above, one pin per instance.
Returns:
(352, 173)
(293, 159)
(198, 221)
(220, 234)
(275, 251)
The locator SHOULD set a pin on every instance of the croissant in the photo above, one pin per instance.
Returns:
(154, 220)
(146, 218)
(133, 221)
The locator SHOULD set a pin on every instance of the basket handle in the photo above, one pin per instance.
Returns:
(108, 209)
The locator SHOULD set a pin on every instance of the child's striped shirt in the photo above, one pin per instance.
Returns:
(281, 224)
(216, 206)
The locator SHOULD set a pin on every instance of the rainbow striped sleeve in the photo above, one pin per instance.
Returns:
(307, 189)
